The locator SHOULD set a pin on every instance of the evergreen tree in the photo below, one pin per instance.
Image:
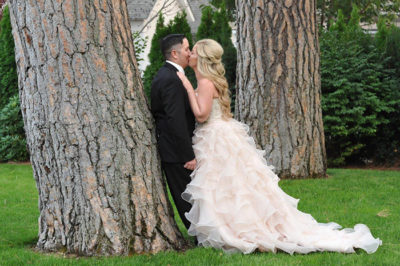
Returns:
(369, 10)
(230, 7)
(215, 25)
(392, 48)
(178, 25)
(207, 21)
(355, 87)
(386, 146)
(8, 68)
(12, 135)
(381, 35)
(155, 56)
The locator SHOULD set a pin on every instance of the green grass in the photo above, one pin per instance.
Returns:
(346, 197)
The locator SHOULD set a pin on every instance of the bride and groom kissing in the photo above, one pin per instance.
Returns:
(226, 194)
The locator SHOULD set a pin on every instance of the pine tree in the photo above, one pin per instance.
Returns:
(207, 21)
(215, 25)
(178, 25)
(155, 56)
(278, 84)
(385, 148)
(355, 87)
(89, 131)
(392, 48)
(381, 35)
(8, 68)
(12, 135)
(230, 7)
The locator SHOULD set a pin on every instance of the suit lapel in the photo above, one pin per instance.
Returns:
(178, 83)
(170, 67)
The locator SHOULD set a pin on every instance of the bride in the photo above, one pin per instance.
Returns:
(237, 204)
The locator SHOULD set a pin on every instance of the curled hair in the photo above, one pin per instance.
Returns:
(209, 56)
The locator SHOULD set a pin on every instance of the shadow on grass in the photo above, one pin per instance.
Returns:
(30, 242)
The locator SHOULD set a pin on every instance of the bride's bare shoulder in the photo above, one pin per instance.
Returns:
(205, 84)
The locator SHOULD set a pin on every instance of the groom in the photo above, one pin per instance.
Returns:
(174, 120)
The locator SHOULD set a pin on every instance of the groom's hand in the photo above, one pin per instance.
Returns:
(191, 164)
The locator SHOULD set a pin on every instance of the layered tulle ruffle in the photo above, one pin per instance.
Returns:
(238, 206)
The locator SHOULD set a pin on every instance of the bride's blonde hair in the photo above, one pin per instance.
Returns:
(209, 56)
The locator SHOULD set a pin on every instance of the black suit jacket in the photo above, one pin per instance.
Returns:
(174, 119)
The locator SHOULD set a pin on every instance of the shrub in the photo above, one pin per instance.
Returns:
(178, 25)
(8, 68)
(12, 135)
(356, 91)
(385, 148)
(215, 25)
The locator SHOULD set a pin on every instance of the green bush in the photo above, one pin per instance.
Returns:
(392, 49)
(230, 7)
(385, 148)
(8, 68)
(356, 91)
(215, 25)
(12, 135)
(178, 25)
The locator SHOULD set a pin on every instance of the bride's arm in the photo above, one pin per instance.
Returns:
(202, 103)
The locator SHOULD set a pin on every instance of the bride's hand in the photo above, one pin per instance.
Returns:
(184, 79)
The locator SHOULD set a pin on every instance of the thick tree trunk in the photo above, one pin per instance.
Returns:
(278, 84)
(89, 130)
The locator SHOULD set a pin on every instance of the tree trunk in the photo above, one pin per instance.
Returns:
(89, 130)
(278, 84)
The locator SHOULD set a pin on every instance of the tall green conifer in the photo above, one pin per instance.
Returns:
(8, 68)
(215, 25)
(12, 135)
(178, 25)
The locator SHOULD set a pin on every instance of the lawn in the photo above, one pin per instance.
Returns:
(347, 197)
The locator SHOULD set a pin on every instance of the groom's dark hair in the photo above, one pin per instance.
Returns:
(168, 42)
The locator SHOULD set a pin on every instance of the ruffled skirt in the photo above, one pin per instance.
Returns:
(238, 206)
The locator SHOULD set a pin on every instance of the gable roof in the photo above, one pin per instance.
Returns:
(139, 9)
(196, 7)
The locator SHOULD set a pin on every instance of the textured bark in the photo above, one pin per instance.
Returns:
(89, 130)
(278, 84)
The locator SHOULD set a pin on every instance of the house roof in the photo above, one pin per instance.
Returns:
(195, 6)
(139, 9)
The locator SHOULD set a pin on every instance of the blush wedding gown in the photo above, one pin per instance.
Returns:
(238, 206)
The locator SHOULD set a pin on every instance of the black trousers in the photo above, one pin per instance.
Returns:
(177, 178)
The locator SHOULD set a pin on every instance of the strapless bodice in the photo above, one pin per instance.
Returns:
(216, 112)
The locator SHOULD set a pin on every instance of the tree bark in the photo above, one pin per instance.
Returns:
(89, 130)
(278, 84)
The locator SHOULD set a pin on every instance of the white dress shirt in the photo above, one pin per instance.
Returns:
(180, 69)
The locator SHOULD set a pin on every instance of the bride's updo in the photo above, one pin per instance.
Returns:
(209, 56)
